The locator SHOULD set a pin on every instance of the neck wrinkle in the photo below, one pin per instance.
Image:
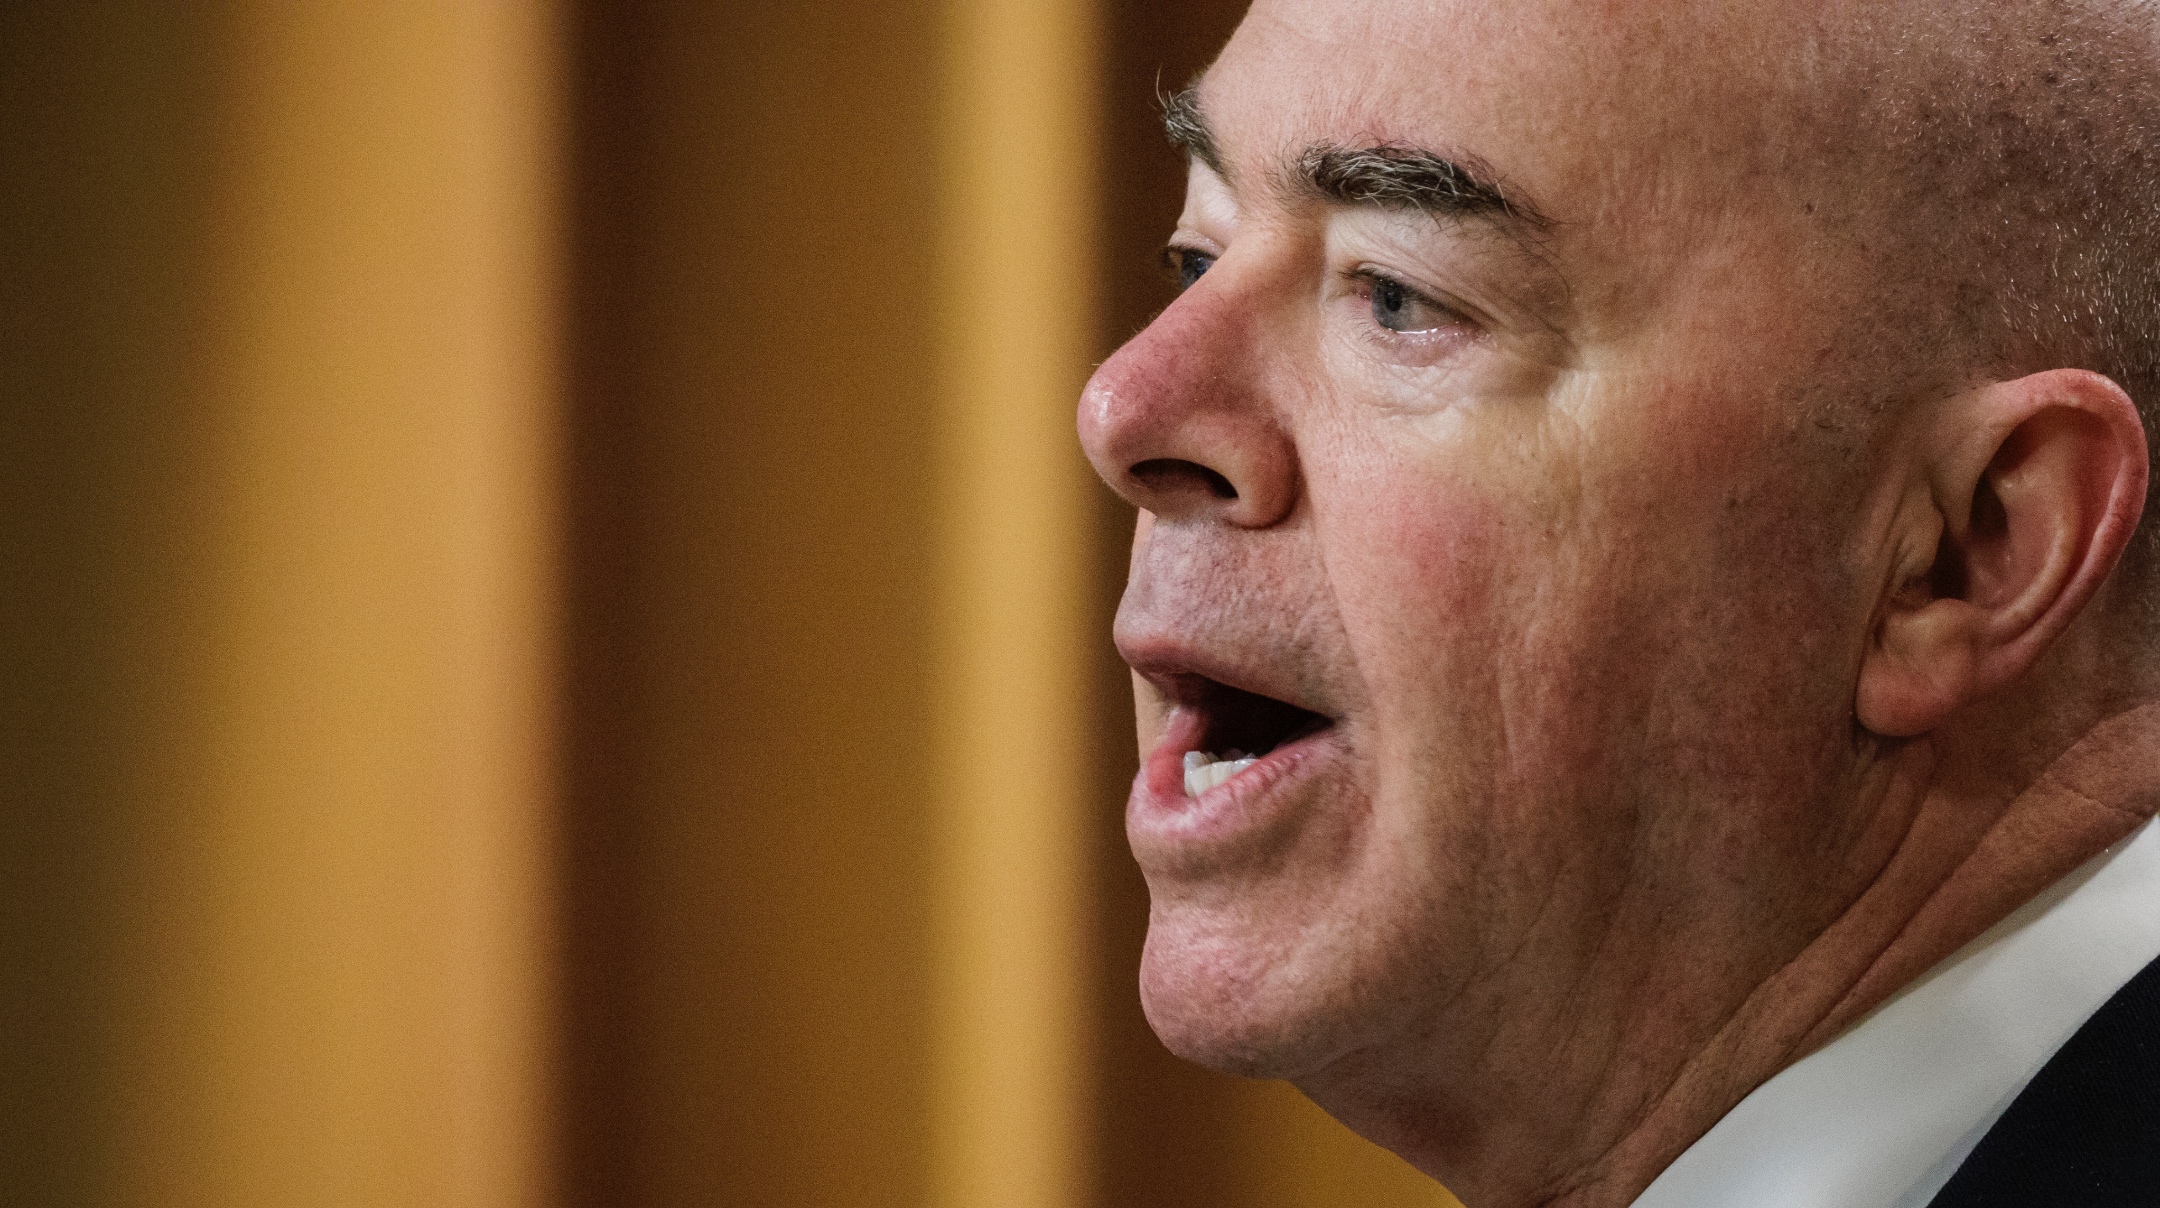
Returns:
(2089, 798)
(1766, 1028)
(1957, 873)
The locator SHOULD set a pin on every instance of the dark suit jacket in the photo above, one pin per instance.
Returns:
(2085, 1132)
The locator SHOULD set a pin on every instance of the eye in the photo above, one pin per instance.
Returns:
(1188, 263)
(1399, 308)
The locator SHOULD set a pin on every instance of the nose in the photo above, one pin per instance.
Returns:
(1182, 421)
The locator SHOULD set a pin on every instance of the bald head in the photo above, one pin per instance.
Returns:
(2003, 164)
(1602, 455)
(1976, 186)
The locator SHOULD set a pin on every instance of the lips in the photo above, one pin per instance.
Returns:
(1234, 719)
(1252, 752)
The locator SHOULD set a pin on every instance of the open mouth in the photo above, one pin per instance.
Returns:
(1236, 729)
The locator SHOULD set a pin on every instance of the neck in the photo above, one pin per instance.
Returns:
(1979, 847)
(1989, 823)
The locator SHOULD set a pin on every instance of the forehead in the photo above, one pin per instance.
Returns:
(1688, 156)
(1581, 106)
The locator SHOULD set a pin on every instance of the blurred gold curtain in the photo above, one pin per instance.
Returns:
(278, 549)
(1013, 627)
(554, 628)
(852, 918)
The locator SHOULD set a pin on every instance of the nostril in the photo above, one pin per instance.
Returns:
(1166, 475)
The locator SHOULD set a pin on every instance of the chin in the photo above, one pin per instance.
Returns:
(1238, 1006)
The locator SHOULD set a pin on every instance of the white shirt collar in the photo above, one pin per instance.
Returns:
(1883, 1115)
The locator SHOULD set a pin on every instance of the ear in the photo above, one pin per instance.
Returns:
(2028, 494)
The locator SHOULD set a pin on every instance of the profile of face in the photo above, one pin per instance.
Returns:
(1500, 499)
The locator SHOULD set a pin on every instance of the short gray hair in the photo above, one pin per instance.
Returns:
(2014, 151)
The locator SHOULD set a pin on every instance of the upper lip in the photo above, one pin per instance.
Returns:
(1188, 674)
(1234, 705)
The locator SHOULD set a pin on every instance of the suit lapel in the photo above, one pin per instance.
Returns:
(2085, 1132)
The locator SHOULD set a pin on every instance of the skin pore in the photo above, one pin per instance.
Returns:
(1677, 587)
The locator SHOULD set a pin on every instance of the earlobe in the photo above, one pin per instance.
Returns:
(1921, 667)
(2032, 488)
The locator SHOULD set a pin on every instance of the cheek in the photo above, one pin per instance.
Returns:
(1549, 639)
(1419, 579)
(1473, 620)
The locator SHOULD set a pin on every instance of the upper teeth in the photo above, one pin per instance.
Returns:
(1203, 771)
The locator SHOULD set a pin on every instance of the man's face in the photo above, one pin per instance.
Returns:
(1535, 526)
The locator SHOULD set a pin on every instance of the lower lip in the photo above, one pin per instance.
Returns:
(1160, 819)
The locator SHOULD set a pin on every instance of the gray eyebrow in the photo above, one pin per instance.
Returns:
(1388, 175)
(1188, 131)
(1395, 176)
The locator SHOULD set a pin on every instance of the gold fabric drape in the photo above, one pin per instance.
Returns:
(554, 626)
(279, 535)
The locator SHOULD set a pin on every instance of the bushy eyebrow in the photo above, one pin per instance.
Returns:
(1188, 131)
(1386, 175)
(1394, 176)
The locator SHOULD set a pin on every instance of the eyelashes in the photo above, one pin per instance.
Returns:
(1400, 307)
(1395, 310)
(1186, 264)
